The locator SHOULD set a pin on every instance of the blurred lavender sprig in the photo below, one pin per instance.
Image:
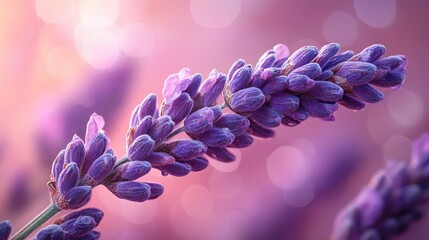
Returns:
(390, 203)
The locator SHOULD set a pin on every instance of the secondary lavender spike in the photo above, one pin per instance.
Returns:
(299, 83)
(247, 100)
(77, 197)
(68, 178)
(199, 121)
(372, 53)
(156, 190)
(141, 147)
(79, 226)
(236, 123)
(318, 109)
(176, 169)
(133, 191)
(198, 164)
(157, 159)
(180, 108)
(370, 206)
(326, 53)
(161, 127)
(240, 79)
(194, 85)
(147, 106)
(217, 137)
(58, 165)
(327, 91)
(357, 73)
(242, 141)
(132, 170)
(367, 93)
(75, 151)
(311, 70)
(101, 168)
(5, 229)
(283, 103)
(220, 153)
(266, 117)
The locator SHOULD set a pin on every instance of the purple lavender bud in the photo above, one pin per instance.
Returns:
(96, 148)
(193, 86)
(93, 127)
(133, 191)
(142, 128)
(240, 79)
(77, 197)
(157, 159)
(311, 70)
(271, 72)
(199, 121)
(274, 85)
(235, 66)
(217, 137)
(161, 127)
(186, 149)
(91, 235)
(281, 51)
(266, 62)
(302, 56)
(327, 74)
(94, 213)
(211, 89)
(58, 165)
(259, 131)
(290, 122)
(410, 196)
(342, 57)
(221, 154)
(371, 234)
(300, 114)
(326, 53)
(299, 83)
(247, 100)
(156, 190)
(397, 173)
(420, 152)
(352, 103)
(242, 141)
(217, 112)
(140, 148)
(134, 120)
(372, 53)
(367, 93)
(327, 91)
(198, 164)
(75, 152)
(357, 73)
(176, 169)
(51, 232)
(283, 103)
(68, 178)
(5, 229)
(266, 117)
(370, 206)
(175, 84)
(132, 170)
(318, 109)
(147, 106)
(180, 108)
(390, 62)
(79, 226)
(387, 78)
(238, 124)
(101, 168)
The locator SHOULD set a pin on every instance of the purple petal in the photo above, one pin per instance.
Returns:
(95, 125)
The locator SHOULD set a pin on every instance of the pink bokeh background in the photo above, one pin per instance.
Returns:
(289, 187)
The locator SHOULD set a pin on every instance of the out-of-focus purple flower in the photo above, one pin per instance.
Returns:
(76, 225)
(5, 229)
(389, 204)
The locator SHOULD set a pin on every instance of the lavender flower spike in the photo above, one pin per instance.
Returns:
(76, 225)
(5, 229)
(390, 203)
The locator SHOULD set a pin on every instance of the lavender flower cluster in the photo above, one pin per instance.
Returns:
(390, 203)
(76, 225)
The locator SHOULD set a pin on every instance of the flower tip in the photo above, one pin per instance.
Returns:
(281, 51)
(95, 124)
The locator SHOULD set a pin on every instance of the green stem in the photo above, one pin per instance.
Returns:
(40, 219)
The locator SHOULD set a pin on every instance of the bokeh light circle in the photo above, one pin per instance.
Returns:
(341, 27)
(98, 14)
(376, 13)
(54, 11)
(101, 49)
(197, 201)
(215, 14)
(137, 39)
(225, 185)
(406, 107)
(301, 196)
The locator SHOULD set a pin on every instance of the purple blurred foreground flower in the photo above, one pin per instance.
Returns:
(76, 225)
(390, 203)
(5, 229)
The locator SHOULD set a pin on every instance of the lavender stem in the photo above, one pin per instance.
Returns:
(40, 219)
